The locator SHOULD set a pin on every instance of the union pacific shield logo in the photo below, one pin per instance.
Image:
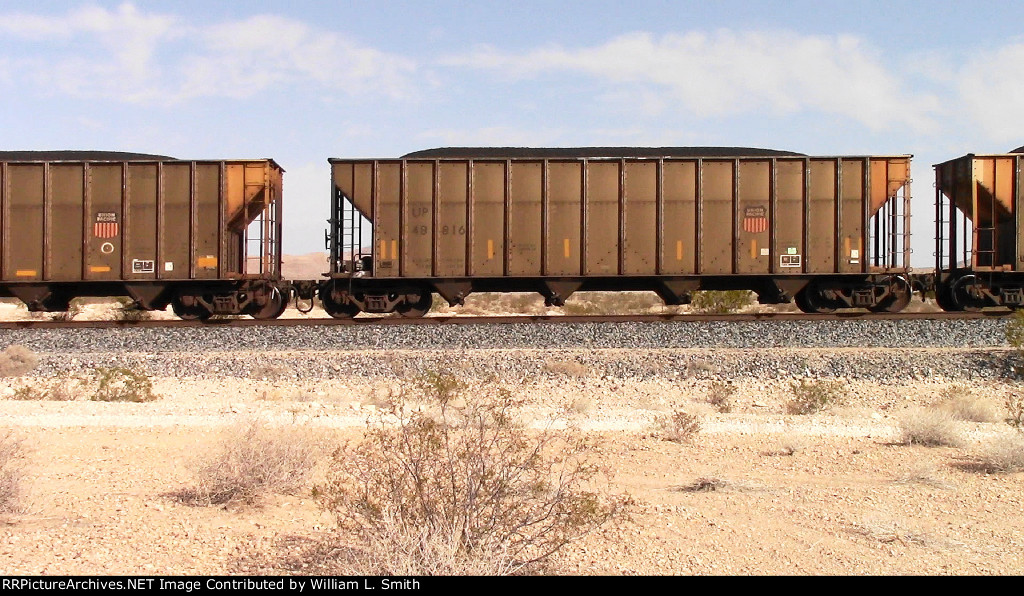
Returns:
(755, 220)
(105, 226)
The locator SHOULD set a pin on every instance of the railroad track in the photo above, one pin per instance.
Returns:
(506, 320)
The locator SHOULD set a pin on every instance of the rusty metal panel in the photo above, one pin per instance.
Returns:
(601, 244)
(176, 231)
(788, 217)
(207, 219)
(23, 222)
(562, 250)
(640, 238)
(418, 220)
(452, 184)
(387, 210)
(104, 220)
(67, 184)
(821, 216)
(716, 233)
(526, 190)
(488, 224)
(1018, 264)
(678, 219)
(140, 231)
(851, 216)
(753, 208)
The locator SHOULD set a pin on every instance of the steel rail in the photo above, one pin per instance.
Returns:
(851, 315)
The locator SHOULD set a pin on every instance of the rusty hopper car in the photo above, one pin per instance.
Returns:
(979, 248)
(830, 231)
(202, 236)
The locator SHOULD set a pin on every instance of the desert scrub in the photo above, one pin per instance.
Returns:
(720, 395)
(17, 360)
(252, 461)
(721, 302)
(930, 427)
(457, 485)
(811, 396)
(62, 388)
(1005, 453)
(960, 401)
(680, 427)
(121, 384)
(1015, 411)
(129, 310)
(11, 472)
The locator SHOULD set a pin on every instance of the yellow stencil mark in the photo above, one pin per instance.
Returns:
(753, 248)
(207, 262)
(565, 247)
(383, 250)
(490, 248)
(25, 273)
(394, 249)
(99, 269)
(679, 250)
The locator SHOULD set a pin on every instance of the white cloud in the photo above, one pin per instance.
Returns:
(139, 57)
(726, 73)
(991, 87)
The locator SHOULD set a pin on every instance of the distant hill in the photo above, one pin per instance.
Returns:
(308, 266)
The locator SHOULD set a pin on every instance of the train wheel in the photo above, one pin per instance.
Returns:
(963, 297)
(338, 310)
(274, 308)
(196, 312)
(810, 300)
(944, 298)
(898, 299)
(418, 308)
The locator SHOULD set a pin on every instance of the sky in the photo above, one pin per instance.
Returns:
(303, 81)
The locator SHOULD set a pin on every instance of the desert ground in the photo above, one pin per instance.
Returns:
(754, 490)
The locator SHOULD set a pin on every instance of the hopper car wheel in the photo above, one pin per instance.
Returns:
(189, 313)
(963, 298)
(944, 298)
(274, 307)
(418, 308)
(810, 300)
(338, 310)
(898, 299)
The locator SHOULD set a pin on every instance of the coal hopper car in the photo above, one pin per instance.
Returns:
(827, 232)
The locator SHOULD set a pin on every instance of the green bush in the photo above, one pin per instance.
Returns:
(122, 384)
(812, 396)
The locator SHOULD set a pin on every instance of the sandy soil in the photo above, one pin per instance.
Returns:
(830, 493)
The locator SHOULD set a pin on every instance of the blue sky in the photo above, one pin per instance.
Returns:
(304, 81)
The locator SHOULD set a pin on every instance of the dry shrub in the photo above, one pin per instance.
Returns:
(929, 427)
(1015, 411)
(17, 360)
(680, 427)
(720, 396)
(128, 310)
(961, 402)
(812, 396)
(11, 472)
(252, 461)
(59, 389)
(721, 302)
(460, 486)
(1004, 454)
(121, 385)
